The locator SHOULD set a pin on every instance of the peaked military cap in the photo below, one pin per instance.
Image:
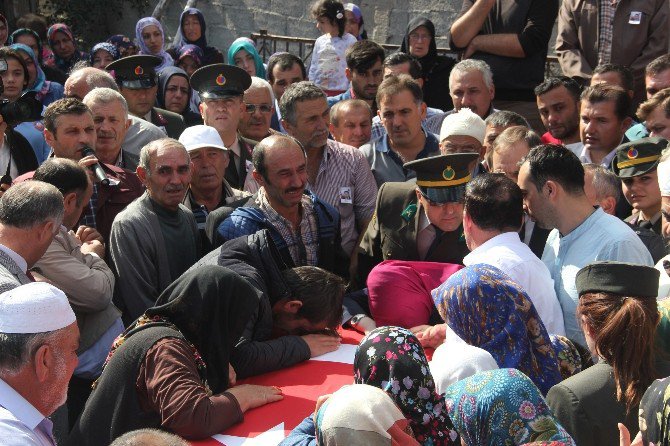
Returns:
(220, 81)
(442, 179)
(638, 157)
(135, 72)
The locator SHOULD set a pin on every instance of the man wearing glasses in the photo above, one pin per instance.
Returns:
(420, 220)
(138, 83)
(221, 88)
(258, 110)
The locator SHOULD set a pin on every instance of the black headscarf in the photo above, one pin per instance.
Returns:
(210, 306)
(163, 78)
(429, 59)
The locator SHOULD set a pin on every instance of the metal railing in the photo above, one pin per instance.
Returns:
(268, 44)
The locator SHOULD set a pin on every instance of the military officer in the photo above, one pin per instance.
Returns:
(420, 220)
(221, 88)
(138, 83)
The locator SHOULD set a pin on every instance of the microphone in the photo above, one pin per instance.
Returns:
(96, 168)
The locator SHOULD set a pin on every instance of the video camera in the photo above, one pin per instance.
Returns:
(25, 109)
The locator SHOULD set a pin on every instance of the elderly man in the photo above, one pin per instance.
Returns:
(338, 174)
(140, 132)
(110, 115)
(69, 128)
(493, 213)
(304, 228)
(38, 341)
(401, 109)
(155, 239)
(351, 122)
(30, 215)
(463, 132)
(470, 86)
(138, 83)
(496, 123)
(258, 110)
(209, 189)
(511, 146)
(364, 71)
(283, 70)
(551, 179)
(74, 263)
(221, 88)
(149, 437)
(657, 78)
(558, 103)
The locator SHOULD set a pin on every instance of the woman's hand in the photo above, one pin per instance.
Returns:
(250, 396)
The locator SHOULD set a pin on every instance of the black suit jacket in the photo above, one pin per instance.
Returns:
(171, 122)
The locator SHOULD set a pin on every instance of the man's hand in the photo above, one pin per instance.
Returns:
(320, 344)
(471, 49)
(232, 375)
(88, 234)
(94, 246)
(250, 396)
(433, 336)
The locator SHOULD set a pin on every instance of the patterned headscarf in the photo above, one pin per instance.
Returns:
(181, 38)
(362, 415)
(121, 42)
(143, 23)
(62, 64)
(246, 44)
(358, 15)
(570, 359)
(392, 359)
(502, 408)
(105, 46)
(655, 414)
(41, 85)
(193, 51)
(489, 310)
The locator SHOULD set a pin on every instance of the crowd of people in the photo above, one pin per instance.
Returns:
(175, 217)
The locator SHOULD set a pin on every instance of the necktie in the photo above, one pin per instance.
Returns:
(436, 241)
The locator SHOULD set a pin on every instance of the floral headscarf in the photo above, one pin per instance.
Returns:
(105, 46)
(568, 355)
(489, 310)
(392, 359)
(246, 44)
(502, 408)
(655, 414)
(62, 64)
(181, 38)
(193, 51)
(121, 43)
(143, 23)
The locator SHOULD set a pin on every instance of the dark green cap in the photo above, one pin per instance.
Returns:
(638, 157)
(220, 81)
(442, 178)
(135, 72)
(620, 278)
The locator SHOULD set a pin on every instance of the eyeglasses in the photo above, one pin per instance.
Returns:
(263, 108)
(417, 36)
(458, 148)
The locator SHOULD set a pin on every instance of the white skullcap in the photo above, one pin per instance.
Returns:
(463, 123)
(200, 136)
(37, 307)
(663, 171)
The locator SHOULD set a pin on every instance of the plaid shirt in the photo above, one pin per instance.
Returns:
(607, 11)
(303, 243)
(88, 217)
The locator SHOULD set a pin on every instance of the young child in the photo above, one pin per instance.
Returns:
(328, 67)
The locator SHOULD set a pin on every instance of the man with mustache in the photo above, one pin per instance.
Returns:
(155, 239)
(258, 110)
(304, 228)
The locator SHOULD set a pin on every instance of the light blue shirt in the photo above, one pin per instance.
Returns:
(600, 237)
(21, 424)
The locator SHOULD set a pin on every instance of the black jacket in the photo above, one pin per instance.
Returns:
(255, 258)
(22, 153)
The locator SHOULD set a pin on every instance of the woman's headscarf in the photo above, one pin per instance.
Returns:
(121, 42)
(655, 414)
(428, 60)
(143, 23)
(362, 415)
(41, 85)
(193, 51)
(244, 43)
(105, 46)
(210, 306)
(502, 407)
(62, 64)
(455, 360)
(392, 359)
(22, 31)
(570, 359)
(489, 310)
(358, 15)
(181, 38)
(163, 79)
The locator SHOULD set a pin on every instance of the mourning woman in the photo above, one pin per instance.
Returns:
(618, 312)
(191, 31)
(175, 93)
(171, 368)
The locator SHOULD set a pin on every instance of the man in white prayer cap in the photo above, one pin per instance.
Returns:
(463, 132)
(38, 343)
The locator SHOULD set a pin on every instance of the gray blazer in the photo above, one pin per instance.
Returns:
(11, 275)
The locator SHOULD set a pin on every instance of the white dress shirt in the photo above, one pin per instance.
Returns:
(507, 253)
(21, 424)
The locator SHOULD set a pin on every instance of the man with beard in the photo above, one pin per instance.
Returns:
(364, 71)
(551, 179)
(558, 103)
(155, 239)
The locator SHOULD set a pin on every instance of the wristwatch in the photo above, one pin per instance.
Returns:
(356, 319)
